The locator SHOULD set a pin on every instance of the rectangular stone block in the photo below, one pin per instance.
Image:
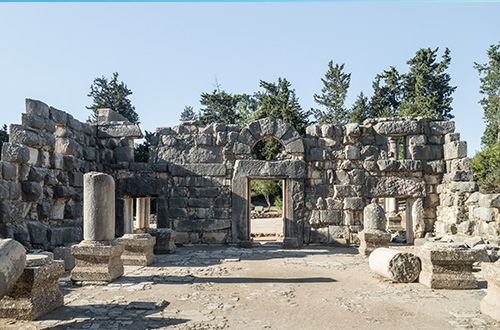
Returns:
(97, 261)
(455, 149)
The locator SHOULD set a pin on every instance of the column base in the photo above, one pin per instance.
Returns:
(97, 261)
(36, 292)
(371, 240)
(165, 240)
(138, 249)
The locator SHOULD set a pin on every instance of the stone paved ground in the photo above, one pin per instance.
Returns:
(260, 288)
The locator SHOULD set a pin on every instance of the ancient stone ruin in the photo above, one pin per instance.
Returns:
(197, 179)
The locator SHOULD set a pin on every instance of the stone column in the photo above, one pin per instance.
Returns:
(415, 222)
(373, 235)
(36, 292)
(393, 218)
(143, 213)
(397, 265)
(98, 256)
(12, 263)
(490, 305)
(128, 216)
(447, 266)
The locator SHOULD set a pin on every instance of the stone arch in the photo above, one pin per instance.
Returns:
(269, 128)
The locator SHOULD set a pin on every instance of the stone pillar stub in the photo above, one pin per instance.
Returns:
(373, 235)
(12, 263)
(165, 240)
(36, 292)
(490, 305)
(447, 266)
(138, 249)
(98, 207)
(97, 261)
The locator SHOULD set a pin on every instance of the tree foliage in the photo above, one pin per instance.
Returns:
(4, 135)
(278, 100)
(141, 151)
(266, 188)
(333, 96)
(111, 94)
(490, 87)
(221, 107)
(486, 168)
(188, 114)
(361, 109)
(426, 87)
(387, 94)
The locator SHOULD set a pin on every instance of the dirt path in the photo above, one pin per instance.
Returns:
(261, 288)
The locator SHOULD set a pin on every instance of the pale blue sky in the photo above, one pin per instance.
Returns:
(169, 53)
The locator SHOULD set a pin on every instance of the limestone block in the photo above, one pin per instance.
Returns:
(487, 200)
(427, 152)
(165, 240)
(352, 129)
(138, 249)
(12, 263)
(395, 186)
(403, 127)
(464, 186)
(15, 153)
(119, 130)
(354, 203)
(455, 149)
(447, 266)
(371, 239)
(374, 217)
(439, 127)
(291, 243)
(36, 292)
(38, 108)
(214, 238)
(396, 265)
(30, 137)
(490, 305)
(97, 261)
(58, 116)
(352, 152)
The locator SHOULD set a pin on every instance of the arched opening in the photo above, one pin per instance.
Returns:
(269, 148)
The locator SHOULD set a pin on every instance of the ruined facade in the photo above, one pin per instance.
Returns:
(199, 176)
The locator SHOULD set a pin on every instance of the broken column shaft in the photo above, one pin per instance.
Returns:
(396, 265)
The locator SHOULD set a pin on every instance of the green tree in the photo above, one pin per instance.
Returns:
(486, 167)
(111, 94)
(333, 95)
(427, 91)
(141, 151)
(278, 100)
(360, 110)
(4, 135)
(219, 108)
(490, 87)
(266, 188)
(188, 114)
(387, 94)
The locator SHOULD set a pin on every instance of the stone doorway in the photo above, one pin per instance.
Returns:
(266, 214)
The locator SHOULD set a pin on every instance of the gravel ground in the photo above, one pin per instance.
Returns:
(221, 287)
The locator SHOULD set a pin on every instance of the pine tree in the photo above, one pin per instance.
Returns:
(113, 95)
(4, 135)
(427, 91)
(141, 151)
(361, 109)
(188, 114)
(333, 95)
(490, 87)
(387, 94)
(220, 108)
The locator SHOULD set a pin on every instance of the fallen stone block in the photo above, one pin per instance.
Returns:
(97, 261)
(36, 292)
(490, 305)
(396, 265)
(447, 266)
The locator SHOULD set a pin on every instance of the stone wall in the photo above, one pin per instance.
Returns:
(199, 176)
(41, 177)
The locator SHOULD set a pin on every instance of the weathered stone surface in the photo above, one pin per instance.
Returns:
(197, 169)
(36, 292)
(464, 186)
(138, 249)
(490, 305)
(12, 263)
(98, 207)
(15, 153)
(97, 261)
(447, 266)
(396, 128)
(64, 253)
(165, 240)
(123, 130)
(394, 186)
(371, 239)
(396, 265)
(287, 168)
(455, 149)
(374, 217)
(201, 225)
(354, 203)
(38, 108)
